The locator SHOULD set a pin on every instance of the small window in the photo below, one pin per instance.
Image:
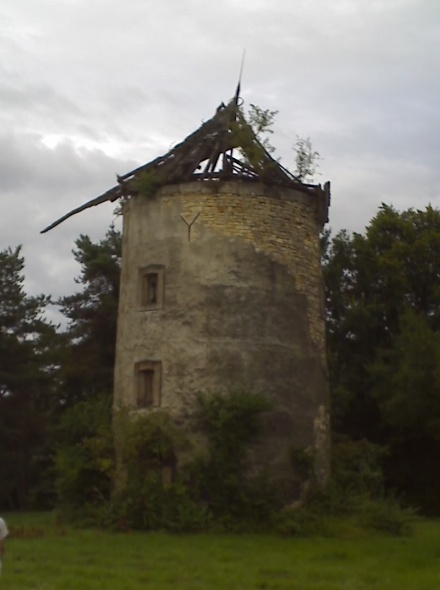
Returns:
(151, 289)
(148, 384)
(146, 388)
(152, 280)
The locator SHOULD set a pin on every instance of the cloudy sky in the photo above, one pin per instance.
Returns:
(92, 88)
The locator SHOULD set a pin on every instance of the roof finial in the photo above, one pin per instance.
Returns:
(237, 92)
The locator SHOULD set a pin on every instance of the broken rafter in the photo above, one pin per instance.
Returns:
(110, 195)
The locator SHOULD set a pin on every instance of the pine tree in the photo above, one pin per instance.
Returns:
(26, 382)
(92, 314)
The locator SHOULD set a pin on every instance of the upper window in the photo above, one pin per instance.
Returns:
(151, 284)
(151, 287)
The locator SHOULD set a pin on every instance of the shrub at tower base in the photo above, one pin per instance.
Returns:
(212, 487)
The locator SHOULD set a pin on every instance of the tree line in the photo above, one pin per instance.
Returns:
(382, 290)
(383, 341)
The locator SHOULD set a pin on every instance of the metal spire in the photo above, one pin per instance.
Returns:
(237, 92)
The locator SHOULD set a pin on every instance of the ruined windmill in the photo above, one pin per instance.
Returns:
(221, 287)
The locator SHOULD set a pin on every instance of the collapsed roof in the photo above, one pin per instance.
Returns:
(223, 148)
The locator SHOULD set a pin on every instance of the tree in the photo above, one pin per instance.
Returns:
(84, 460)
(406, 385)
(383, 322)
(306, 159)
(261, 121)
(92, 314)
(27, 367)
(84, 453)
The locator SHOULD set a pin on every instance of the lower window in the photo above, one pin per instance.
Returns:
(148, 383)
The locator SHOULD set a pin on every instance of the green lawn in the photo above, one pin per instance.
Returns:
(40, 555)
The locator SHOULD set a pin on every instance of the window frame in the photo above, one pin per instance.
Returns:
(145, 275)
(154, 369)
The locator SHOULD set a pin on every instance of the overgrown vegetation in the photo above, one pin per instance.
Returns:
(261, 121)
(210, 490)
(306, 159)
(252, 151)
(148, 495)
(230, 422)
(355, 498)
(261, 127)
(147, 183)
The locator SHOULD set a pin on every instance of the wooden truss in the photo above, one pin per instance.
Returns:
(223, 148)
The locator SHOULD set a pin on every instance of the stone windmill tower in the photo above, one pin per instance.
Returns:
(221, 286)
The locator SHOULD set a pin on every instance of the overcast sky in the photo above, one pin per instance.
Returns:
(92, 88)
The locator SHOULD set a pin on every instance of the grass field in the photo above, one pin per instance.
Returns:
(40, 555)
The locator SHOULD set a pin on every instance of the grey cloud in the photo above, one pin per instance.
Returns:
(35, 100)
(359, 78)
(28, 165)
(37, 185)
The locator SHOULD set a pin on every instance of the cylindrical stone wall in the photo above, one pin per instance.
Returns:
(221, 290)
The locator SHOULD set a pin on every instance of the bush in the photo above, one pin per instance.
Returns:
(210, 490)
(154, 506)
(148, 493)
(354, 500)
(357, 466)
(303, 522)
(230, 422)
(388, 516)
(84, 462)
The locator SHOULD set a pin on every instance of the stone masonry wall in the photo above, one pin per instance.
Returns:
(285, 225)
(243, 308)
